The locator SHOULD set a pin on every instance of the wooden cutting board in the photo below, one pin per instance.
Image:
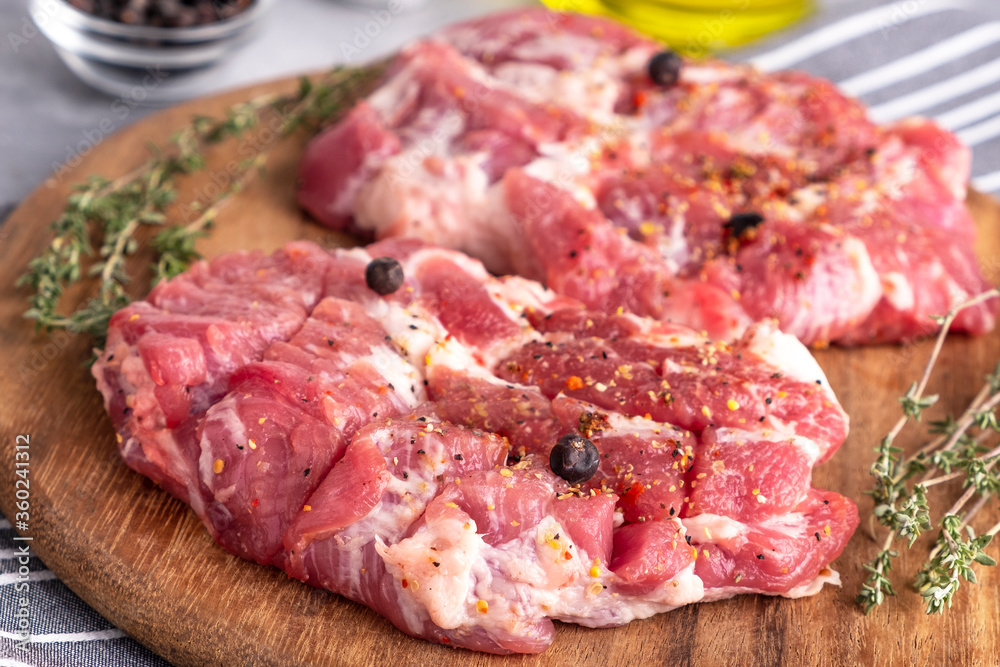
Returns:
(144, 561)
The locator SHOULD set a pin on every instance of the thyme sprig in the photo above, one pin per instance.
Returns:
(958, 452)
(111, 213)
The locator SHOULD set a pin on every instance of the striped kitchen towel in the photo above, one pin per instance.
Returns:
(930, 57)
(936, 58)
(65, 632)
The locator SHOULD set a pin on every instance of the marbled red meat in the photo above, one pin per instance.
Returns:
(536, 142)
(394, 449)
(169, 358)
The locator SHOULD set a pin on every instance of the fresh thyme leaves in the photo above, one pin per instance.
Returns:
(959, 451)
(111, 212)
(175, 248)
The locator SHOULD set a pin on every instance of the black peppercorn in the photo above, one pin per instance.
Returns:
(739, 223)
(574, 458)
(384, 275)
(665, 68)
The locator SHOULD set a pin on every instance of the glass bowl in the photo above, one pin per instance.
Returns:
(147, 64)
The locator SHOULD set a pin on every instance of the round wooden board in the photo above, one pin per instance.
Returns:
(144, 561)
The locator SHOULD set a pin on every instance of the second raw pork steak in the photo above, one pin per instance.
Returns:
(539, 143)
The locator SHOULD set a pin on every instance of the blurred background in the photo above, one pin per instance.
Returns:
(939, 58)
(48, 115)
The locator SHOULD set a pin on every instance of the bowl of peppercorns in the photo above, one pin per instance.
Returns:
(151, 51)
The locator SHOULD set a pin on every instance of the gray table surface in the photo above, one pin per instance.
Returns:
(897, 60)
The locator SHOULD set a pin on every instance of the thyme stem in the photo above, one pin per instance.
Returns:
(954, 454)
(942, 479)
(114, 210)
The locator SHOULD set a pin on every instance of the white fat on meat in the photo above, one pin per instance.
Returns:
(424, 195)
(445, 590)
(399, 92)
(402, 504)
(711, 72)
(399, 374)
(825, 576)
(591, 90)
(416, 331)
(591, 600)
(794, 524)
(665, 335)
(473, 267)
(713, 528)
(519, 295)
(134, 380)
(566, 166)
(503, 293)
(807, 199)
(896, 175)
(705, 528)
(449, 353)
(224, 411)
(808, 447)
(500, 587)
(673, 245)
(399, 323)
(897, 291)
(659, 435)
(425, 191)
(461, 211)
(785, 353)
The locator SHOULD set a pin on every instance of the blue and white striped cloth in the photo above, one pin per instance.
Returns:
(930, 57)
(936, 58)
(65, 632)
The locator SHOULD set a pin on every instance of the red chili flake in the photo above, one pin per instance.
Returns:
(256, 501)
(406, 584)
(632, 493)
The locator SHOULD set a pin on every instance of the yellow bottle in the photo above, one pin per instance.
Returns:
(696, 27)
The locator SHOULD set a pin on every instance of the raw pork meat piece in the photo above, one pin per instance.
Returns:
(169, 358)
(536, 142)
(394, 449)
(288, 418)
